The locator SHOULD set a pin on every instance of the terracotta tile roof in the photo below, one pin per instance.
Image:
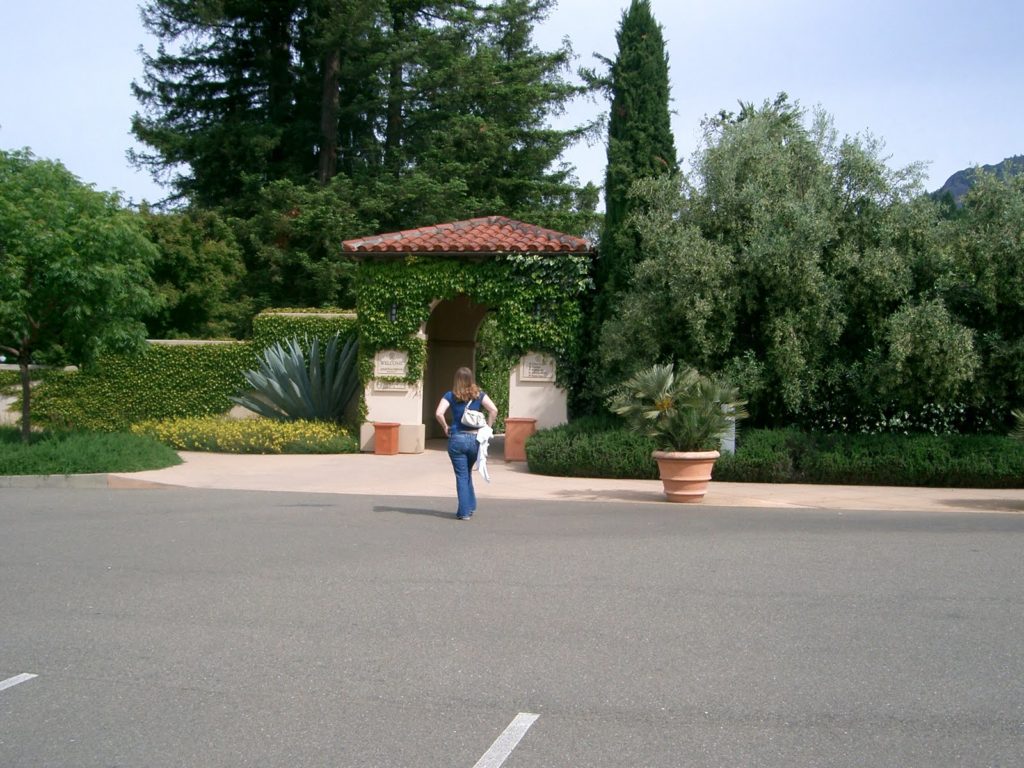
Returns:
(489, 234)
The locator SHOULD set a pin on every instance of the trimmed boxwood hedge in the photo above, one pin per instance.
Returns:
(602, 447)
(591, 446)
(939, 461)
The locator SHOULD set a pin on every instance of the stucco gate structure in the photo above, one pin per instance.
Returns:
(423, 295)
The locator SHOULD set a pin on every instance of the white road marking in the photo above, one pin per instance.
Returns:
(504, 744)
(10, 682)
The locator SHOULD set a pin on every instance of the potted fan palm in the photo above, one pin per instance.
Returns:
(685, 414)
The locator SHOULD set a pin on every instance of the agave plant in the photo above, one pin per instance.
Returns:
(290, 385)
(1018, 430)
(682, 411)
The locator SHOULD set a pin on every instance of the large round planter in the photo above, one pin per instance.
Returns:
(685, 474)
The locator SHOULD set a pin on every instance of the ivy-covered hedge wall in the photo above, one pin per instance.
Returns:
(171, 380)
(160, 382)
(277, 325)
(534, 299)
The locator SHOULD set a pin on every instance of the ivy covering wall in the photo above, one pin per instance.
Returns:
(158, 383)
(171, 381)
(534, 299)
(277, 325)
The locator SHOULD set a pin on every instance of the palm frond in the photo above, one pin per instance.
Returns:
(680, 410)
(1018, 430)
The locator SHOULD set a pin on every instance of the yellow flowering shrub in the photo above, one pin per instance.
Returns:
(223, 435)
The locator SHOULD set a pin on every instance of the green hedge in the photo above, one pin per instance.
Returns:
(940, 461)
(592, 446)
(278, 325)
(168, 381)
(161, 382)
(10, 381)
(603, 448)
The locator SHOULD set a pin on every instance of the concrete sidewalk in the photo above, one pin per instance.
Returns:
(430, 474)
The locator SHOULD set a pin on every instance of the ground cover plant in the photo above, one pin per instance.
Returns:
(67, 453)
(223, 435)
(603, 447)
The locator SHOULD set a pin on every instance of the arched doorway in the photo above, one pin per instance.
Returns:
(512, 266)
(451, 343)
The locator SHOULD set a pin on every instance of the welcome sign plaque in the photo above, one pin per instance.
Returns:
(391, 363)
(537, 367)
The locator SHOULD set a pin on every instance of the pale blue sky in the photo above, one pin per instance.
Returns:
(939, 81)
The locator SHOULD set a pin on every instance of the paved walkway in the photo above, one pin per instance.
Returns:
(430, 474)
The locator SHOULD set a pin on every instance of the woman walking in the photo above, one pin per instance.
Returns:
(461, 433)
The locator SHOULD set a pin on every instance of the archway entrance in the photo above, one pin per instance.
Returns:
(451, 343)
(531, 276)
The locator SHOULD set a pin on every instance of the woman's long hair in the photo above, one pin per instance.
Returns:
(464, 387)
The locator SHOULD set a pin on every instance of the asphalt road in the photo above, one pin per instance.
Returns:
(213, 628)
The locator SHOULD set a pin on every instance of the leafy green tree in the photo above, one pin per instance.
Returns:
(984, 284)
(493, 130)
(681, 300)
(219, 97)
(927, 357)
(199, 274)
(74, 269)
(766, 195)
(305, 122)
(799, 265)
(292, 243)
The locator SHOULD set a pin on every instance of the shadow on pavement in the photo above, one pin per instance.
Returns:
(414, 511)
(618, 495)
(987, 505)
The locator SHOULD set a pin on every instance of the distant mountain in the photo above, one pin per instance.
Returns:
(960, 182)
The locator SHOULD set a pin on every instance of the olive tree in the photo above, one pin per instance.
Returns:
(984, 284)
(799, 265)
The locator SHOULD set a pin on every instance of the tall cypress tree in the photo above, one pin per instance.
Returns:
(640, 143)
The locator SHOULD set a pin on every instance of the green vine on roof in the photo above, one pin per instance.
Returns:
(534, 298)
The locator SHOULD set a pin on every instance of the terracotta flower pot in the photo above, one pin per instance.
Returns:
(517, 430)
(685, 474)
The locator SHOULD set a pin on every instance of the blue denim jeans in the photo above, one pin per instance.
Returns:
(462, 450)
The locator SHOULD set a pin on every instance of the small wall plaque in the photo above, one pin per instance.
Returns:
(391, 362)
(390, 386)
(537, 367)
